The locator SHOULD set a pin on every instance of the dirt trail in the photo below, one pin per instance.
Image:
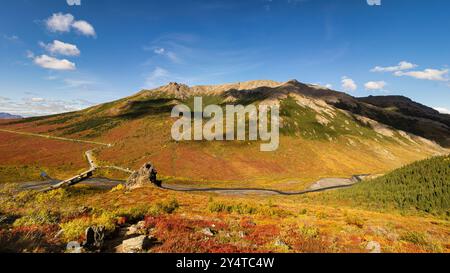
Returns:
(106, 184)
(321, 185)
(56, 138)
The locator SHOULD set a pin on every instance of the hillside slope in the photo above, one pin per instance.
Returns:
(422, 186)
(319, 138)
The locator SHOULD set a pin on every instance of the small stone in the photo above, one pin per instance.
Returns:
(280, 243)
(74, 247)
(59, 233)
(140, 225)
(241, 234)
(208, 232)
(132, 230)
(84, 210)
(135, 245)
(139, 228)
(373, 247)
(94, 237)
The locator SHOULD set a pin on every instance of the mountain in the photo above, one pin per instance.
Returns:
(9, 116)
(324, 133)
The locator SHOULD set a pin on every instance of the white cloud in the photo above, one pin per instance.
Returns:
(375, 85)
(374, 2)
(52, 63)
(427, 74)
(74, 2)
(348, 84)
(84, 28)
(41, 106)
(159, 50)
(58, 47)
(30, 54)
(37, 99)
(74, 83)
(12, 38)
(173, 57)
(163, 52)
(442, 110)
(157, 77)
(329, 86)
(59, 22)
(404, 65)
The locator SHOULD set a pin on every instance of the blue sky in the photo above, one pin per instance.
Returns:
(57, 57)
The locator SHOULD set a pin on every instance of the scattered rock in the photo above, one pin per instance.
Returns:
(84, 210)
(139, 228)
(280, 243)
(144, 176)
(373, 247)
(94, 237)
(208, 232)
(380, 231)
(135, 245)
(132, 230)
(59, 233)
(74, 247)
(241, 234)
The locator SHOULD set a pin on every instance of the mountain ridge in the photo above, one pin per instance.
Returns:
(319, 137)
(9, 116)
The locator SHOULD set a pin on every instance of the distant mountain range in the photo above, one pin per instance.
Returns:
(9, 116)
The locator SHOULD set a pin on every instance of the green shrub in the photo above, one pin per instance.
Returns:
(75, 229)
(164, 207)
(37, 218)
(237, 208)
(243, 209)
(415, 238)
(355, 221)
(309, 231)
(55, 195)
(133, 214)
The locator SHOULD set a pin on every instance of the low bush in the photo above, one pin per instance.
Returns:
(354, 221)
(37, 218)
(167, 207)
(74, 230)
(309, 231)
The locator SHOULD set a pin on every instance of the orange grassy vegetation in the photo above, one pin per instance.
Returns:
(296, 163)
(59, 158)
(239, 223)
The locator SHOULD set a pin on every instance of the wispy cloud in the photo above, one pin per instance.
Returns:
(76, 83)
(73, 2)
(427, 74)
(11, 38)
(37, 106)
(403, 65)
(157, 77)
(172, 56)
(442, 110)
